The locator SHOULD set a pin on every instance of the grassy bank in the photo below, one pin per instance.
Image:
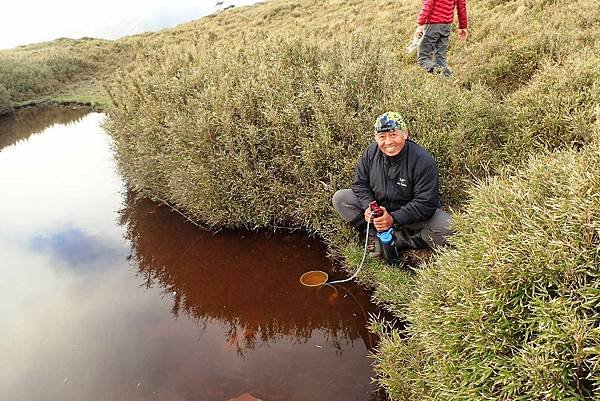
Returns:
(511, 311)
(63, 71)
(255, 116)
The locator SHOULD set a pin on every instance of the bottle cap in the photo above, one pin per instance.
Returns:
(386, 237)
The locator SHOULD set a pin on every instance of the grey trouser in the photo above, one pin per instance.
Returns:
(433, 231)
(434, 47)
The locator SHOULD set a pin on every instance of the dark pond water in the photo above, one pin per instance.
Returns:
(109, 297)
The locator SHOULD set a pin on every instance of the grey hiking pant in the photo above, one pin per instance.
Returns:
(434, 48)
(433, 231)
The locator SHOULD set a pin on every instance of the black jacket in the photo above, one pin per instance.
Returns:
(406, 184)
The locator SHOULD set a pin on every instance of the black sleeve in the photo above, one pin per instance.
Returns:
(360, 185)
(426, 199)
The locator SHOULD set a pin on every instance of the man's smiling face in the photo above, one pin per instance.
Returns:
(391, 142)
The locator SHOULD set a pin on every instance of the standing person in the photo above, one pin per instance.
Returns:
(434, 26)
(403, 178)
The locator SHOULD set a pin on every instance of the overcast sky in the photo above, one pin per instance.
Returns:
(32, 21)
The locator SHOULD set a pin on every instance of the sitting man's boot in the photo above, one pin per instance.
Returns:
(405, 239)
(360, 225)
(373, 245)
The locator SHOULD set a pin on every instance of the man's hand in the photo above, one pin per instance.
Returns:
(419, 31)
(463, 33)
(384, 222)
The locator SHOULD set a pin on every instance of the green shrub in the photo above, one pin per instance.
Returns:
(25, 80)
(511, 311)
(559, 108)
(66, 68)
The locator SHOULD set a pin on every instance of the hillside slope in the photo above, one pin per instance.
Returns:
(255, 116)
(510, 41)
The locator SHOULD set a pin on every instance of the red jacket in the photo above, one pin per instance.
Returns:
(442, 12)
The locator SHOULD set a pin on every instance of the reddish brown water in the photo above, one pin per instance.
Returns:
(105, 297)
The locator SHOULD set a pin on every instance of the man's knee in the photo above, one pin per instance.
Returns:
(438, 229)
(338, 199)
(346, 204)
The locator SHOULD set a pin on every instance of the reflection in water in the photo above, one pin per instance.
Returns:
(72, 245)
(21, 124)
(216, 316)
(250, 282)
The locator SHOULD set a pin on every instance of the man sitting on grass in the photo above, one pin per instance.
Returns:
(403, 178)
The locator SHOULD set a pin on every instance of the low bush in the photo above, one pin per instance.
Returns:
(510, 312)
(26, 80)
(559, 108)
(250, 136)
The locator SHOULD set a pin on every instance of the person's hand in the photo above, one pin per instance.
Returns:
(463, 33)
(419, 31)
(368, 217)
(384, 222)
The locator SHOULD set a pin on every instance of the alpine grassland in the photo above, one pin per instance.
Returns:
(254, 117)
(510, 312)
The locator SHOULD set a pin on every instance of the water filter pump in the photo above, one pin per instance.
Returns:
(386, 238)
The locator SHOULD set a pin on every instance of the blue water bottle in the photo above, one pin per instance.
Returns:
(388, 246)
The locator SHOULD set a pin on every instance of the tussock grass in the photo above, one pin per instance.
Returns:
(511, 311)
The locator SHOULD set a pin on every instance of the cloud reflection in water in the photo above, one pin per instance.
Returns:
(74, 246)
